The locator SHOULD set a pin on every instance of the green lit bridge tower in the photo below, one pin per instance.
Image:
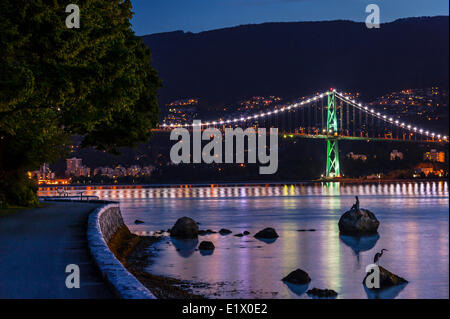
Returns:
(333, 169)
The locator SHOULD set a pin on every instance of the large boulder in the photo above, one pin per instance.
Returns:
(225, 231)
(322, 293)
(206, 245)
(387, 279)
(267, 233)
(358, 222)
(298, 277)
(185, 228)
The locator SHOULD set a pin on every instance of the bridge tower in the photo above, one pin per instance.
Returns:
(333, 167)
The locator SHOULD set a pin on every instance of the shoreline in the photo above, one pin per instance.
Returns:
(132, 251)
(234, 184)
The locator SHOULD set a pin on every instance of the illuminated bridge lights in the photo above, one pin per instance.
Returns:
(384, 117)
(344, 98)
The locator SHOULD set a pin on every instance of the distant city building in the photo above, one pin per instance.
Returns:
(105, 171)
(120, 171)
(257, 102)
(354, 156)
(434, 156)
(74, 167)
(425, 103)
(427, 169)
(181, 111)
(44, 173)
(396, 155)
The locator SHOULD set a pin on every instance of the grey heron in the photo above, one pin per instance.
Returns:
(378, 256)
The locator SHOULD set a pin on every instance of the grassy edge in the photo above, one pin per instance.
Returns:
(4, 212)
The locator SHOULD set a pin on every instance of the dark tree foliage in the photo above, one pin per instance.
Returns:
(96, 82)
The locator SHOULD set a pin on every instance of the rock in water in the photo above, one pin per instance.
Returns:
(225, 231)
(323, 293)
(358, 222)
(206, 245)
(298, 277)
(387, 279)
(137, 221)
(267, 233)
(185, 228)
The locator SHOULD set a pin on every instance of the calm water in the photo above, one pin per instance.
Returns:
(414, 228)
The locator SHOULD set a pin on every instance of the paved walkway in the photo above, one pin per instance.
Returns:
(35, 248)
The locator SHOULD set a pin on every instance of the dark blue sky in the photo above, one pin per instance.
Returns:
(153, 16)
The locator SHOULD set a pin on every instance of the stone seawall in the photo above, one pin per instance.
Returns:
(103, 223)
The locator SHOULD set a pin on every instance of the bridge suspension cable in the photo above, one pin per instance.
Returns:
(389, 119)
(345, 120)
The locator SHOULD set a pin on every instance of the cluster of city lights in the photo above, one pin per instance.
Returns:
(389, 119)
(341, 96)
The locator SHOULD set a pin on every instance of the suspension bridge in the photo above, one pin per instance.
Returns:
(331, 116)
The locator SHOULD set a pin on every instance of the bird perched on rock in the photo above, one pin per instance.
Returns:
(355, 205)
(378, 256)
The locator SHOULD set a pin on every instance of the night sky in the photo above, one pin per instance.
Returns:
(154, 16)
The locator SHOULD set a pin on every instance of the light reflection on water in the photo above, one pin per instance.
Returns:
(414, 228)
